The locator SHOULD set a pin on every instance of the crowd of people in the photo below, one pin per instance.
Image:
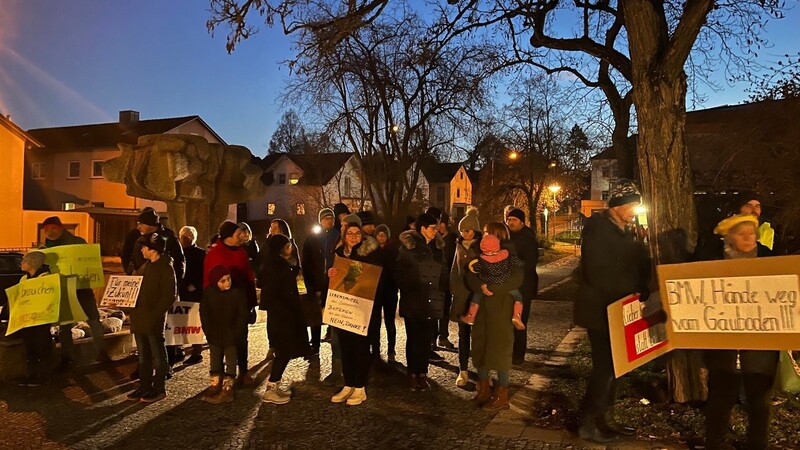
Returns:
(481, 278)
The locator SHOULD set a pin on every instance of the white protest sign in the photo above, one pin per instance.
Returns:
(764, 304)
(183, 324)
(347, 312)
(122, 291)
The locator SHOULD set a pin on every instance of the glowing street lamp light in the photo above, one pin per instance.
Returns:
(554, 188)
(513, 155)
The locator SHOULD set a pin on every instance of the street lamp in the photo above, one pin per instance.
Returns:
(544, 213)
(513, 155)
(554, 188)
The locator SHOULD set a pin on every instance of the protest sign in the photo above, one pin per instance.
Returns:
(34, 301)
(351, 294)
(122, 291)
(638, 334)
(183, 324)
(748, 304)
(70, 310)
(82, 260)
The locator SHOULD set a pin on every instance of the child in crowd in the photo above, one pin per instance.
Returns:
(494, 266)
(223, 312)
(37, 340)
(156, 295)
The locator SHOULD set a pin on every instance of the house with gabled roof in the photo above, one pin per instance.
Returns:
(450, 187)
(65, 173)
(298, 186)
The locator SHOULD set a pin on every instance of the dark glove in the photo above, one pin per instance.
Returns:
(251, 317)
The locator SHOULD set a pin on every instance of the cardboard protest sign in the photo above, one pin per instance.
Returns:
(638, 334)
(122, 291)
(183, 324)
(747, 304)
(34, 301)
(82, 260)
(351, 294)
(70, 310)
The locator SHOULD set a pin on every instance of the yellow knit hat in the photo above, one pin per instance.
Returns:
(726, 225)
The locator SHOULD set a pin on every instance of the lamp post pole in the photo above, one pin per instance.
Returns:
(554, 188)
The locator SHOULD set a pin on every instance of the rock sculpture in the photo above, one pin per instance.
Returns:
(196, 179)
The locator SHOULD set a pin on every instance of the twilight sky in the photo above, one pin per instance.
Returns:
(81, 61)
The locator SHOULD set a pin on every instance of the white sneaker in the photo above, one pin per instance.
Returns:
(343, 395)
(274, 396)
(462, 379)
(358, 397)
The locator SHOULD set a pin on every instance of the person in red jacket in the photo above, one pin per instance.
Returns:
(227, 252)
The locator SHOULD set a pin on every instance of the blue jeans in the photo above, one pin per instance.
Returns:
(152, 354)
(219, 353)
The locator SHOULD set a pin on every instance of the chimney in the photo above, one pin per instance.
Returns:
(128, 118)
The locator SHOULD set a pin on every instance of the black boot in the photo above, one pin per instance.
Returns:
(607, 423)
(590, 432)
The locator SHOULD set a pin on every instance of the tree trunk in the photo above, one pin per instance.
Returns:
(668, 195)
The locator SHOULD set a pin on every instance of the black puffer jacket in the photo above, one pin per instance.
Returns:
(421, 275)
(223, 315)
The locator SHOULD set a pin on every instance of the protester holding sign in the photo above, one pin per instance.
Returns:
(37, 340)
(758, 367)
(613, 265)
(156, 296)
(223, 312)
(355, 348)
(421, 274)
(190, 289)
(286, 324)
(55, 236)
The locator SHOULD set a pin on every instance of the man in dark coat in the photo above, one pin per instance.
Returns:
(613, 265)
(190, 288)
(421, 276)
(56, 235)
(317, 259)
(149, 222)
(449, 251)
(527, 247)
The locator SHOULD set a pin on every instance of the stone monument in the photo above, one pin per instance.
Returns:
(196, 179)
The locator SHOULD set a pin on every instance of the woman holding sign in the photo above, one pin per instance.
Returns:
(757, 366)
(356, 357)
(37, 340)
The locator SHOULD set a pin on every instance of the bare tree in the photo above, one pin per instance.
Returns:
(290, 136)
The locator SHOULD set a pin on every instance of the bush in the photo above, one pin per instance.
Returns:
(569, 236)
(546, 242)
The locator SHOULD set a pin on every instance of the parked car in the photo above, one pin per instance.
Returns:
(10, 274)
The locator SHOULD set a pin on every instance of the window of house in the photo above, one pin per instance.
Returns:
(281, 178)
(606, 172)
(294, 178)
(37, 171)
(73, 170)
(604, 195)
(461, 175)
(440, 194)
(300, 209)
(97, 169)
(67, 206)
(270, 209)
(458, 193)
(348, 186)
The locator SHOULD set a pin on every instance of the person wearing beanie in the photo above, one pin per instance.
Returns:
(421, 275)
(527, 246)
(507, 209)
(223, 313)
(613, 265)
(228, 253)
(467, 249)
(367, 222)
(751, 203)
(149, 222)
(190, 289)
(317, 258)
(157, 293)
(434, 211)
(36, 339)
(340, 210)
(730, 370)
(325, 212)
(55, 236)
(386, 296)
(352, 218)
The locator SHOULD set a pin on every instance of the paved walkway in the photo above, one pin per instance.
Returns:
(88, 409)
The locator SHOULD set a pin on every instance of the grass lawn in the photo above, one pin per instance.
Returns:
(558, 251)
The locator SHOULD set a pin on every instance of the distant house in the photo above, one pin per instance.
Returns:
(65, 173)
(450, 187)
(298, 186)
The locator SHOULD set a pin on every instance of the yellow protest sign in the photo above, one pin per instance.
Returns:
(34, 301)
(82, 260)
(71, 310)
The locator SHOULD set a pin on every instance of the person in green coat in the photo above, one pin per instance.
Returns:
(493, 332)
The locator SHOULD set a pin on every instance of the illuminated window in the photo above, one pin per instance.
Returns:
(301, 209)
(294, 178)
(270, 209)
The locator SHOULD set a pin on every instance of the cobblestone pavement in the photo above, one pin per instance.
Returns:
(88, 409)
